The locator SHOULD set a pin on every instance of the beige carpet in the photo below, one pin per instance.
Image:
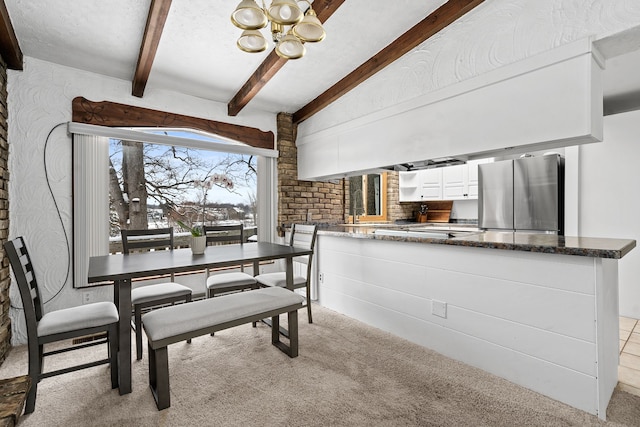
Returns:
(347, 374)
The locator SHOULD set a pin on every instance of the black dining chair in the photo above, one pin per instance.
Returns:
(224, 282)
(59, 325)
(304, 236)
(150, 296)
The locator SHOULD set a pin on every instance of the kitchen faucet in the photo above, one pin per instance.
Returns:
(355, 205)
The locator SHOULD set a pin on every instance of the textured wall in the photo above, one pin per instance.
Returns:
(40, 99)
(496, 33)
(5, 279)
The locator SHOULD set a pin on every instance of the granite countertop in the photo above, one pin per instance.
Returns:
(529, 242)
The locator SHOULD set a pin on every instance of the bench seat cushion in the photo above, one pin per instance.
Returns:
(174, 321)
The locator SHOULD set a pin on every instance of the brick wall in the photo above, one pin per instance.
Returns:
(5, 279)
(320, 202)
(303, 201)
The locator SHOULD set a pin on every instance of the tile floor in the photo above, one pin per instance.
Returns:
(629, 367)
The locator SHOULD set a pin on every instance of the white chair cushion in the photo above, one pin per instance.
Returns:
(80, 317)
(230, 279)
(150, 293)
(280, 279)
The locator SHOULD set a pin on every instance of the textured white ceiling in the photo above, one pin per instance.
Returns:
(198, 56)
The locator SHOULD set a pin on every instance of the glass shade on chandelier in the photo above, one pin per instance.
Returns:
(252, 41)
(304, 28)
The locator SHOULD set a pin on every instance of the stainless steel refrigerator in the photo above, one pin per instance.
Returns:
(525, 194)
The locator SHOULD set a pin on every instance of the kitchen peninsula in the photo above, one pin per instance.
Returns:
(539, 310)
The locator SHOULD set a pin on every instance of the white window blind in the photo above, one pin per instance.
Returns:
(90, 202)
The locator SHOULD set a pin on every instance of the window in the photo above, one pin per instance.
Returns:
(368, 198)
(91, 179)
(156, 186)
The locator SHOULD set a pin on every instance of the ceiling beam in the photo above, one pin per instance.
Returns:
(158, 12)
(9, 47)
(112, 114)
(432, 24)
(273, 63)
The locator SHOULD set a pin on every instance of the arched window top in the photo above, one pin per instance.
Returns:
(111, 114)
(189, 134)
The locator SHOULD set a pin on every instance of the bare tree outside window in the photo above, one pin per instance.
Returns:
(154, 185)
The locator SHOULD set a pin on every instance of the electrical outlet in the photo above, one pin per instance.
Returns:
(321, 277)
(87, 297)
(439, 308)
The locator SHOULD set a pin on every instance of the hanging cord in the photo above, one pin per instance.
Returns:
(64, 230)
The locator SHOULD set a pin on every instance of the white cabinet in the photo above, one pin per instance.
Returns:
(420, 185)
(410, 187)
(459, 182)
(431, 184)
(472, 181)
(454, 182)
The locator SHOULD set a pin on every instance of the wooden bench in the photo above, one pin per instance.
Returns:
(181, 322)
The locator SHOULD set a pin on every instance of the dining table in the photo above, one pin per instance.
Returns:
(121, 270)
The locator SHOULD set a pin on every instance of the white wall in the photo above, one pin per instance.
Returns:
(494, 34)
(609, 197)
(39, 99)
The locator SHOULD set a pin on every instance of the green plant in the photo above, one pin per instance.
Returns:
(195, 231)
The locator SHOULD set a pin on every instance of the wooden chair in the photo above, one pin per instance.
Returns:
(58, 325)
(227, 282)
(149, 296)
(304, 236)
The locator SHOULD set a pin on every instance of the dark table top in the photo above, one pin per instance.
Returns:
(119, 266)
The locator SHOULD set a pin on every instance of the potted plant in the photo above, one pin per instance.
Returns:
(198, 238)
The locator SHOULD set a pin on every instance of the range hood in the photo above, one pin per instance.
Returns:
(427, 164)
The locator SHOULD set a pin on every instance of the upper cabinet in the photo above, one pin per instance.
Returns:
(540, 103)
(458, 182)
(431, 184)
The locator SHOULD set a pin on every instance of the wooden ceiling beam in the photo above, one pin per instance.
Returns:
(112, 114)
(9, 47)
(432, 24)
(273, 63)
(158, 11)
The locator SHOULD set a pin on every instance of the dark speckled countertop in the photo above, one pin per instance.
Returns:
(529, 242)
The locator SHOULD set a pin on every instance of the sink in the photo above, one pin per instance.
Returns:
(463, 228)
(431, 234)
(370, 224)
(425, 232)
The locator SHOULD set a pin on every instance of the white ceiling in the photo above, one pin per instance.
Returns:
(198, 56)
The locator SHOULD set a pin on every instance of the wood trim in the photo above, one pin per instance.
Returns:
(269, 67)
(432, 24)
(9, 47)
(111, 114)
(273, 63)
(158, 11)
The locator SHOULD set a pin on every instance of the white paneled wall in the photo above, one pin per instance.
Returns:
(531, 318)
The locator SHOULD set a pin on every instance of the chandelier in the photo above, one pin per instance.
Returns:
(290, 27)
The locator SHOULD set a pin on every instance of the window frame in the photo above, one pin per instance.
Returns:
(85, 223)
(383, 201)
